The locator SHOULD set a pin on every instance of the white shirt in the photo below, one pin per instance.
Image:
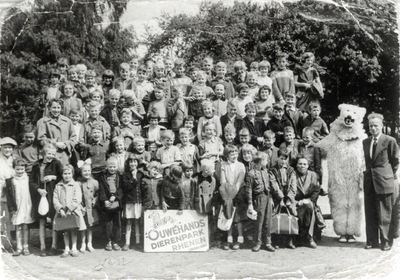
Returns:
(372, 143)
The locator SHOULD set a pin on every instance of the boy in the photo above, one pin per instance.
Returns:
(240, 73)
(291, 144)
(143, 156)
(201, 80)
(263, 79)
(189, 152)
(244, 136)
(194, 106)
(188, 185)
(230, 116)
(277, 123)
(107, 84)
(256, 126)
(180, 78)
(144, 87)
(62, 66)
(207, 66)
(29, 150)
(219, 101)
(251, 81)
(124, 81)
(80, 90)
(120, 153)
(81, 73)
(169, 65)
(171, 195)
(95, 119)
(176, 109)
(193, 73)
(136, 107)
(220, 78)
(52, 91)
(261, 193)
(110, 197)
(229, 135)
(133, 65)
(152, 131)
(168, 154)
(111, 111)
(149, 183)
(314, 121)
(294, 115)
(160, 105)
(282, 78)
(269, 148)
(91, 83)
(208, 117)
(127, 130)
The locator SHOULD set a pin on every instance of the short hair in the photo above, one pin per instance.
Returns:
(299, 157)
(308, 130)
(188, 118)
(154, 115)
(51, 101)
(108, 73)
(314, 103)
(68, 83)
(264, 87)
(242, 86)
(96, 91)
(193, 69)
(54, 72)
(168, 58)
(68, 167)
(306, 55)
(49, 146)
(229, 149)
(128, 93)
(91, 73)
(251, 74)
(137, 140)
(208, 59)
(207, 103)
(254, 64)
(187, 165)
(281, 55)
(117, 139)
(250, 106)
(19, 162)
(93, 104)
(153, 164)
(126, 111)
(159, 65)
(62, 61)
(207, 163)
(167, 134)
(239, 65)
(124, 66)
(73, 69)
(131, 157)
(183, 130)
(259, 156)
(375, 116)
(81, 67)
(229, 128)
(248, 148)
(264, 64)
(283, 152)
(269, 133)
(176, 171)
(289, 94)
(97, 127)
(218, 84)
(211, 124)
(221, 64)
(232, 103)
(197, 88)
(29, 128)
(112, 159)
(244, 131)
(142, 67)
(288, 129)
(74, 111)
(201, 73)
(114, 93)
(179, 62)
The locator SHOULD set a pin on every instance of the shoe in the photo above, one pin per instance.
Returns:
(64, 254)
(108, 247)
(53, 252)
(371, 246)
(291, 245)
(386, 246)
(90, 248)
(225, 247)
(74, 253)
(323, 192)
(43, 253)
(17, 253)
(125, 247)
(82, 249)
(26, 252)
(312, 244)
(269, 248)
(342, 239)
(236, 246)
(351, 239)
(256, 248)
(116, 247)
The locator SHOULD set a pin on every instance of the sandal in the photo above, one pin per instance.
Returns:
(64, 254)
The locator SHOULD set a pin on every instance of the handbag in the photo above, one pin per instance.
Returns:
(319, 219)
(114, 205)
(317, 90)
(284, 223)
(43, 208)
(66, 223)
(225, 224)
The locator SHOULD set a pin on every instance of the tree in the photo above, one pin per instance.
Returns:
(355, 44)
(34, 39)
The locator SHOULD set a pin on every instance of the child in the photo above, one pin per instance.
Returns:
(263, 79)
(97, 96)
(144, 87)
(120, 153)
(220, 78)
(211, 147)
(132, 200)
(90, 189)
(52, 91)
(277, 123)
(168, 154)
(69, 101)
(159, 79)
(160, 105)
(255, 125)
(244, 137)
(149, 67)
(304, 77)
(67, 200)
(81, 73)
(188, 185)
(46, 173)
(193, 73)
(124, 81)
(282, 78)
(208, 117)
(180, 78)
(246, 154)
(264, 101)
(95, 119)
(194, 105)
(149, 183)
(127, 130)
(111, 111)
(143, 156)
(29, 150)
(219, 101)
(153, 148)
(254, 66)
(171, 194)
(240, 73)
(133, 65)
(107, 85)
(201, 79)
(242, 99)
(314, 121)
(75, 117)
(20, 206)
(230, 116)
(188, 123)
(91, 83)
(294, 115)
(152, 131)
(251, 81)
(62, 67)
(110, 196)
(229, 135)
(189, 152)
(291, 144)
(80, 90)
(261, 193)
(207, 66)
(269, 148)
(169, 66)
(176, 109)
(232, 177)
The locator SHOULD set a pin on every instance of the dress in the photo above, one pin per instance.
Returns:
(305, 96)
(90, 189)
(23, 201)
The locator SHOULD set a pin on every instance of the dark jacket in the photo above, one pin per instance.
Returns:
(172, 193)
(104, 189)
(277, 126)
(131, 189)
(256, 130)
(296, 121)
(151, 192)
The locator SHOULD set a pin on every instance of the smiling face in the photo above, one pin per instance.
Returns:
(124, 73)
(49, 154)
(133, 165)
(289, 136)
(307, 138)
(188, 173)
(221, 71)
(247, 156)
(159, 71)
(375, 126)
(112, 167)
(201, 80)
(277, 114)
(81, 74)
(133, 64)
(107, 80)
(142, 75)
(96, 96)
(68, 90)
(168, 142)
(94, 112)
(159, 94)
(264, 93)
(209, 131)
(126, 118)
(19, 170)
(232, 157)
(208, 110)
(73, 76)
(309, 62)
(219, 90)
(114, 100)
(54, 79)
(55, 109)
(243, 93)
(244, 138)
(198, 94)
(119, 147)
(96, 135)
(189, 125)
(29, 138)
(229, 137)
(207, 66)
(264, 71)
(7, 150)
(251, 113)
(184, 137)
(153, 172)
(252, 81)
(179, 70)
(86, 171)
(90, 81)
(302, 165)
(269, 141)
(67, 175)
(139, 146)
(153, 122)
(169, 65)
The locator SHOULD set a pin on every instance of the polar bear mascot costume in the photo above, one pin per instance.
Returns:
(345, 159)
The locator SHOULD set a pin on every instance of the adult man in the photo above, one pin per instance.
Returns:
(380, 185)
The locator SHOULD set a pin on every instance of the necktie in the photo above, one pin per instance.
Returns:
(374, 147)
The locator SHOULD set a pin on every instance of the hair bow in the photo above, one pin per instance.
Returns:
(81, 162)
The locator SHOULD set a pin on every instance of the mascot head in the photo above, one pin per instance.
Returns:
(351, 115)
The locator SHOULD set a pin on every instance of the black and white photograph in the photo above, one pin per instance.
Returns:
(199, 139)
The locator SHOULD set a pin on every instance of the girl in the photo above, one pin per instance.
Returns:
(90, 189)
(211, 147)
(209, 117)
(242, 99)
(132, 200)
(264, 100)
(97, 95)
(20, 205)
(251, 81)
(108, 84)
(230, 135)
(67, 200)
(232, 177)
(69, 101)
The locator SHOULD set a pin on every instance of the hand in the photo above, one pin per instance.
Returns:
(306, 201)
(180, 212)
(282, 204)
(112, 198)
(49, 178)
(164, 206)
(288, 203)
(42, 192)
(260, 140)
(61, 145)
(62, 213)
(307, 85)
(107, 204)
(250, 208)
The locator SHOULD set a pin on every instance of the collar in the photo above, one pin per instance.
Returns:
(100, 143)
(212, 140)
(292, 108)
(70, 183)
(377, 137)
(24, 176)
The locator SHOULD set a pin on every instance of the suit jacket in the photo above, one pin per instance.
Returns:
(381, 169)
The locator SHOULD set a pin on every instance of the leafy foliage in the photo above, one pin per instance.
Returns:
(354, 42)
(33, 41)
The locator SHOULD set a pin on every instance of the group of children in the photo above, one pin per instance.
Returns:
(154, 138)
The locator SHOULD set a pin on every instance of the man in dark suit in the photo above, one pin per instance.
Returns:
(380, 185)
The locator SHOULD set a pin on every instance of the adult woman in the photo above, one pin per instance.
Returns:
(306, 197)
(58, 129)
